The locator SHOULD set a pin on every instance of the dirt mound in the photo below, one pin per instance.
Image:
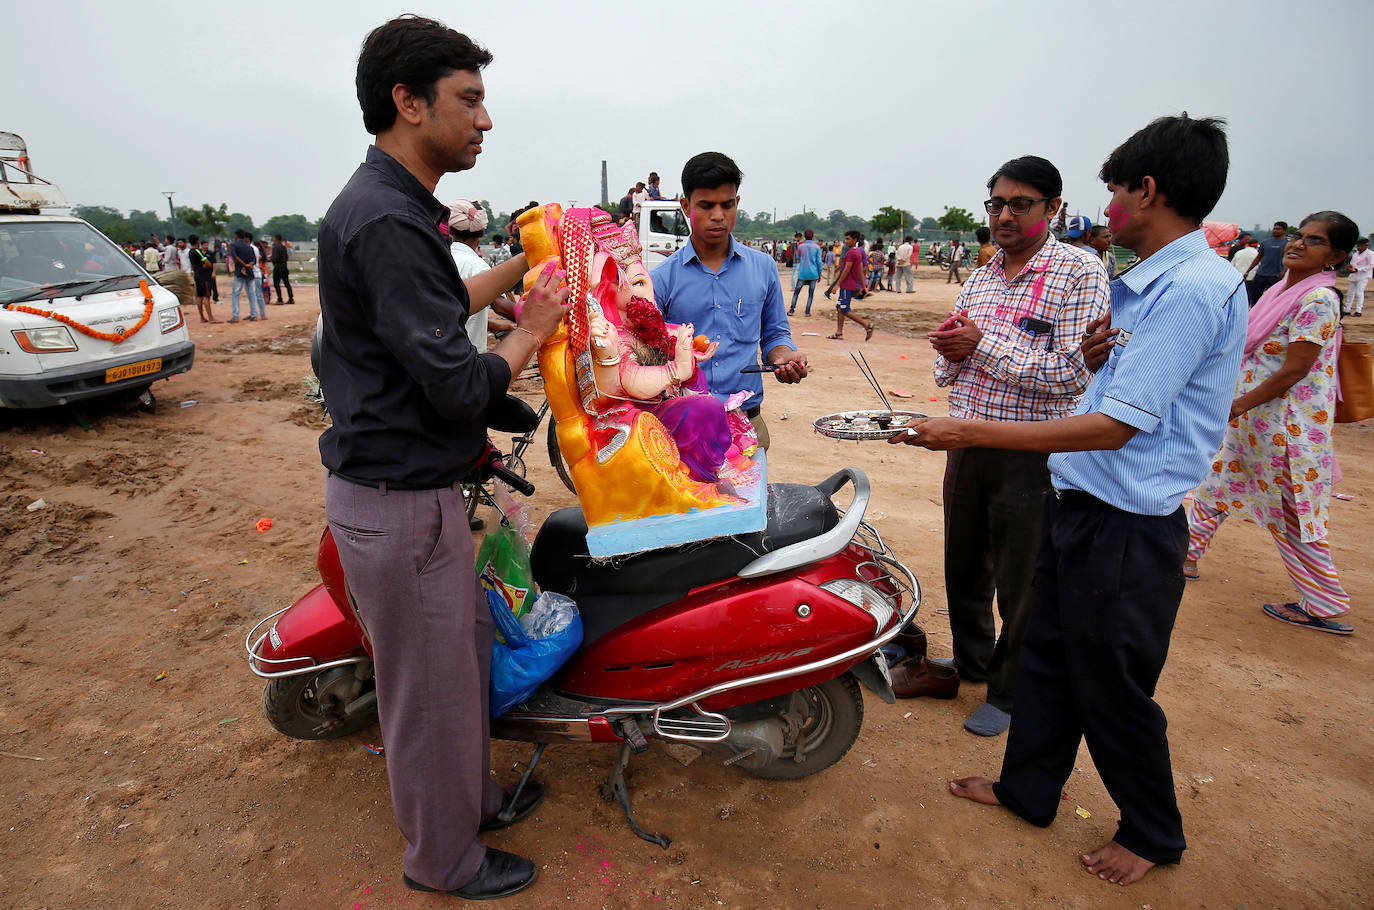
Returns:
(294, 340)
(260, 389)
(57, 530)
(132, 471)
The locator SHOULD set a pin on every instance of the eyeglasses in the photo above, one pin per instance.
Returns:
(1309, 240)
(1019, 205)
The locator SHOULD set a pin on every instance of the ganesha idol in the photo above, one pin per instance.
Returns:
(656, 459)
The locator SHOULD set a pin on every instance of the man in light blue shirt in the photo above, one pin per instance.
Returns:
(1110, 572)
(807, 272)
(729, 292)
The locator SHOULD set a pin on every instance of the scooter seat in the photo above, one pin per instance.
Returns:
(561, 562)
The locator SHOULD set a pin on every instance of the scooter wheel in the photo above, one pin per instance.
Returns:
(835, 713)
(303, 707)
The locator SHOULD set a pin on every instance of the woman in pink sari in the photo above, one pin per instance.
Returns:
(1277, 463)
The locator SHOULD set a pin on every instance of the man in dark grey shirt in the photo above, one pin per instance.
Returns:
(409, 396)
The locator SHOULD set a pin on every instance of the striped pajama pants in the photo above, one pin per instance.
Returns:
(1309, 565)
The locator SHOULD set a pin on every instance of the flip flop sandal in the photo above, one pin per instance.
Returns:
(1307, 621)
(840, 337)
(868, 331)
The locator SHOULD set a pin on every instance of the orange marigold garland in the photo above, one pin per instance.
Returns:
(87, 330)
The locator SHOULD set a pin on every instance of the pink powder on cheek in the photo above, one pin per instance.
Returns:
(1036, 229)
(1116, 218)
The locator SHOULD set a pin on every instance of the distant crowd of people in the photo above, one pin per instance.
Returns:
(243, 259)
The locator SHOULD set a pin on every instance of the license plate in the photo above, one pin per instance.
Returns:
(130, 370)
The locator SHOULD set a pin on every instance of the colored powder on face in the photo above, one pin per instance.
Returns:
(1037, 229)
(1116, 218)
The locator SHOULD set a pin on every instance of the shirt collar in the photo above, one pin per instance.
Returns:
(406, 182)
(1139, 277)
(732, 252)
(1040, 262)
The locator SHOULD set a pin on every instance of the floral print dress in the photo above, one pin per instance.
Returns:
(1285, 441)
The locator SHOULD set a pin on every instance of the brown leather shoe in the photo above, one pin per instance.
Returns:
(913, 641)
(914, 678)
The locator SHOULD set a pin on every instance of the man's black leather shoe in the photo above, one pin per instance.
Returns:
(530, 798)
(500, 875)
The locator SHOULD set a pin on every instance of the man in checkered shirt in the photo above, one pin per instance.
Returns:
(1011, 352)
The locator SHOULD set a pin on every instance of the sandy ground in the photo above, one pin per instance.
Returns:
(121, 790)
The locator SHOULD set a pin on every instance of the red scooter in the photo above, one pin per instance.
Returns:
(749, 648)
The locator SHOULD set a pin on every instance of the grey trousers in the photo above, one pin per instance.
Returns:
(408, 557)
(994, 506)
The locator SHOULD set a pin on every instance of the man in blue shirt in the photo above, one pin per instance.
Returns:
(1268, 265)
(729, 292)
(807, 271)
(1110, 572)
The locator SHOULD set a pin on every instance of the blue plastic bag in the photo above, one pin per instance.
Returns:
(520, 662)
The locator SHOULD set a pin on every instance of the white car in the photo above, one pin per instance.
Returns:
(72, 316)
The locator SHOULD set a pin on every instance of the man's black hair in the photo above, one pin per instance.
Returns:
(1282, 224)
(908, 239)
(1363, 240)
(238, 234)
(1097, 229)
(278, 236)
(855, 234)
(1340, 230)
(193, 239)
(1187, 158)
(1034, 170)
(983, 234)
(412, 51)
(708, 171)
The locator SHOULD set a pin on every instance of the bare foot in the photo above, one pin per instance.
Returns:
(978, 789)
(1114, 863)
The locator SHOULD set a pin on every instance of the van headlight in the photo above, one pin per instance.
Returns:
(47, 340)
(864, 596)
(167, 320)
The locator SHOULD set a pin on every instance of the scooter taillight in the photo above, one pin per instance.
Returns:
(882, 607)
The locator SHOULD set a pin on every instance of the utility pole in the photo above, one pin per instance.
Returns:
(171, 212)
(605, 199)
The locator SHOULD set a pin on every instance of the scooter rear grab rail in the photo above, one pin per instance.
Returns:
(823, 546)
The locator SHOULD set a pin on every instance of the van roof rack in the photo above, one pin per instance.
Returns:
(21, 190)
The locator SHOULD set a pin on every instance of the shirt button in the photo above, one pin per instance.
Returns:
(438, 333)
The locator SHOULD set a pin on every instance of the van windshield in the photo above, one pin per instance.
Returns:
(56, 258)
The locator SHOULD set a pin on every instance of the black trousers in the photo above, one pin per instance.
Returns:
(281, 273)
(994, 503)
(1107, 588)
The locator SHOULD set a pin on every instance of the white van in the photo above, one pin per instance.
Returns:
(74, 322)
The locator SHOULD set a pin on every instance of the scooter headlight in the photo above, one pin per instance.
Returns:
(864, 596)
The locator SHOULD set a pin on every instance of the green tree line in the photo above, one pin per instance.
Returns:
(212, 221)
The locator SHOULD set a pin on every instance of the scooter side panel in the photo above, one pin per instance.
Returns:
(727, 631)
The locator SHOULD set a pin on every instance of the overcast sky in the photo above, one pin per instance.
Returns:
(823, 105)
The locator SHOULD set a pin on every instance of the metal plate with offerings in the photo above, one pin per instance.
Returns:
(879, 423)
(874, 424)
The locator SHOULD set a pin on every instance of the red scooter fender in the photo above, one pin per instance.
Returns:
(319, 629)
